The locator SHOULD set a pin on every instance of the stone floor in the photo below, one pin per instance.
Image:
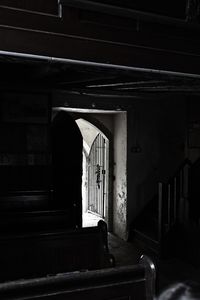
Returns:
(169, 271)
(90, 219)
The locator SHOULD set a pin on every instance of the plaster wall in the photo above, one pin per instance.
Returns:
(120, 176)
(88, 131)
(106, 120)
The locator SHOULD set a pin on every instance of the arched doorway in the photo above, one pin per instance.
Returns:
(113, 125)
(95, 180)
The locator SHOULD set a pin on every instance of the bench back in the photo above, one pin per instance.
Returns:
(41, 254)
(136, 282)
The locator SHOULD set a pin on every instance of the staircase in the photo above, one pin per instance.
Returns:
(157, 225)
(144, 229)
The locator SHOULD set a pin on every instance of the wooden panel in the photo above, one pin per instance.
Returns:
(194, 122)
(172, 8)
(53, 252)
(35, 221)
(44, 6)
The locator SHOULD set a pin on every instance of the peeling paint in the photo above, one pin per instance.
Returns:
(122, 204)
(120, 173)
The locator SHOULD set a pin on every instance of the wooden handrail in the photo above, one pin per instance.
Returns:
(173, 191)
(182, 165)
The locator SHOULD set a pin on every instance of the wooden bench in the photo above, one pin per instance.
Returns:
(36, 210)
(40, 254)
(136, 282)
(26, 222)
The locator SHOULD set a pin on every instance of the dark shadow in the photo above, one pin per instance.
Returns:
(67, 147)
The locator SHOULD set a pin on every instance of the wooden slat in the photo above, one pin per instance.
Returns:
(160, 210)
(175, 199)
(37, 6)
(120, 10)
(169, 205)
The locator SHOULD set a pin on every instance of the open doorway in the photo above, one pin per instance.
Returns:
(112, 126)
(95, 179)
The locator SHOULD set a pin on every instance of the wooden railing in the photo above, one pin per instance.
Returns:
(173, 200)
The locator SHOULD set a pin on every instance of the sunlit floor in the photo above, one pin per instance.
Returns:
(90, 219)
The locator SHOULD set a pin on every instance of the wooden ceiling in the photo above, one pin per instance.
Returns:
(92, 79)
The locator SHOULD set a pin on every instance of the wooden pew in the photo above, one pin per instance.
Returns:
(136, 282)
(36, 210)
(26, 222)
(40, 254)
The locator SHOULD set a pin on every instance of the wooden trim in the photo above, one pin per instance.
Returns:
(37, 12)
(160, 209)
(127, 13)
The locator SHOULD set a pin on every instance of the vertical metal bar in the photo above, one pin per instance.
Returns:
(93, 178)
(88, 185)
(96, 163)
(101, 150)
(93, 156)
(103, 177)
(99, 162)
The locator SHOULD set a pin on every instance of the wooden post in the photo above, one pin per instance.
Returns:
(169, 205)
(175, 200)
(160, 204)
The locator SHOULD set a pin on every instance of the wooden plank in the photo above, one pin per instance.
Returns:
(36, 6)
(129, 10)
(160, 211)
(96, 51)
(169, 205)
(175, 199)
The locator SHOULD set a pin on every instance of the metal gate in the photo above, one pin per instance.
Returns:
(97, 175)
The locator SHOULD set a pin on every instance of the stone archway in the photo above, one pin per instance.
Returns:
(95, 185)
